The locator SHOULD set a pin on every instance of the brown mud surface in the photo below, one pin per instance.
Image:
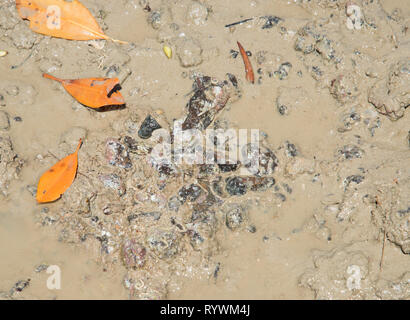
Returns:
(327, 216)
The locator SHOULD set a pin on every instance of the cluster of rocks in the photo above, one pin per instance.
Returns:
(147, 214)
(160, 218)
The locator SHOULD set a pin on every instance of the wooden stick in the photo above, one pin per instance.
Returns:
(238, 22)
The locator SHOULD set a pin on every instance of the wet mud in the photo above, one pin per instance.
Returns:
(326, 215)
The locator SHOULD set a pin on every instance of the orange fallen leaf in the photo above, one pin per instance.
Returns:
(93, 92)
(54, 182)
(61, 19)
(248, 67)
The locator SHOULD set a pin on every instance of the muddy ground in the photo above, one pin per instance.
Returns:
(326, 217)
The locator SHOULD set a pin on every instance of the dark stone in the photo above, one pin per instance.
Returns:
(261, 183)
(316, 70)
(283, 70)
(104, 244)
(280, 196)
(402, 213)
(350, 152)
(234, 53)
(40, 268)
(189, 193)
(233, 79)
(148, 127)
(291, 149)
(270, 21)
(217, 268)
(283, 110)
(166, 169)
(236, 186)
(354, 178)
(20, 285)
(206, 170)
(228, 167)
(287, 188)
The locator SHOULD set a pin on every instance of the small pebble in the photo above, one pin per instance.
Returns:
(236, 186)
(117, 154)
(32, 189)
(20, 285)
(40, 268)
(189, 193)
(280, 197)
(234, 53)
(235, 217)
(133, 254)
(270, 21)
(350, 152)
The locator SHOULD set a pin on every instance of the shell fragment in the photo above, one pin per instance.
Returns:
(168, 52)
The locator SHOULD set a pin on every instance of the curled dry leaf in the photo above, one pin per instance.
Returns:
(54, 182)
(61, 19)
(93, 92)
(248, 67)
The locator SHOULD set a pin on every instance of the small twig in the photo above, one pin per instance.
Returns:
(382, 256)
(27, 58)
(58, 159)
(84, 175)
(21, 63)
(238, 22)
(119, 41)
